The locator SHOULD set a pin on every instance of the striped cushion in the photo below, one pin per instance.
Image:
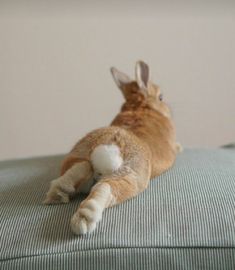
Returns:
(184, 220)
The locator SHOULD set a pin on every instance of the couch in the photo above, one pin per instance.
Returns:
(184, 220)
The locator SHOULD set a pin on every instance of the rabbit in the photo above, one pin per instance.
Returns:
(115, 163)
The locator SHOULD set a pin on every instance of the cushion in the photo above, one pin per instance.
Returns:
(185, 219)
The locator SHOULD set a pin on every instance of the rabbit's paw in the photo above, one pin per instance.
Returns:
(59, 192)
(86, 218)
(56, 198)
(179, 148)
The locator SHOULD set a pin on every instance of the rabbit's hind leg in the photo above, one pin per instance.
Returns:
(106, 193)
(78, 178)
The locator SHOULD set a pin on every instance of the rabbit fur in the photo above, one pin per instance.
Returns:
(115, 163)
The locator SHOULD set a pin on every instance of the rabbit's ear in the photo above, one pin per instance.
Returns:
(120, 78)
(142, 75)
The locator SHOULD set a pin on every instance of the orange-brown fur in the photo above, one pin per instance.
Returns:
(150, 124)
(145, 135)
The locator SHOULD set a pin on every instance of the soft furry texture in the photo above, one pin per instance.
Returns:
(85, 219)
(139, 145)
(106, 159)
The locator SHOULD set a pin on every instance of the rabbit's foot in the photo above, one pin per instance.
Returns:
(86, 218)
(179, 147)
(59, 192)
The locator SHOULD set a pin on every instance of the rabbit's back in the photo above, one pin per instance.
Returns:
(113, 145)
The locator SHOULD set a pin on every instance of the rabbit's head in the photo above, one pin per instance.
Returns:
(141, 93)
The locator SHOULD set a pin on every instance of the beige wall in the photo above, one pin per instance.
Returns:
(55, 83)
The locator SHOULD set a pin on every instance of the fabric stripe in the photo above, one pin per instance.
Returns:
(130, 258)
(186, 216)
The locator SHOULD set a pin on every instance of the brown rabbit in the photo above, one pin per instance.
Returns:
(115, 163)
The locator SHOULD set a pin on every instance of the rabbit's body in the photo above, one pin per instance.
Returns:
(116, 163)
(128, 146)
(156, 131)
(133, 152)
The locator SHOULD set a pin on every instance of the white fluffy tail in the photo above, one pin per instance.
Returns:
(106, 159)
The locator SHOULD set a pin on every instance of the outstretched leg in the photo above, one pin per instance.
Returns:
(76, 179)
(107, 192)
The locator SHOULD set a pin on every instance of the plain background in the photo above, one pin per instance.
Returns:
(55, 83)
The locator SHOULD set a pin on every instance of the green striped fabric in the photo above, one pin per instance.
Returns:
(184, 220)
